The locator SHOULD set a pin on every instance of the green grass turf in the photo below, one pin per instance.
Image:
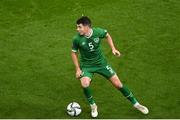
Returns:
(37, 75)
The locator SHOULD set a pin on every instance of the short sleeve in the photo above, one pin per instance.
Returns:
(102, 32)
(75, 46)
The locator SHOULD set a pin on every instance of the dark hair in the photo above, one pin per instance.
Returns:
(84, 21)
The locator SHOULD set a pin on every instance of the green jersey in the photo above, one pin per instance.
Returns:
(89, 48)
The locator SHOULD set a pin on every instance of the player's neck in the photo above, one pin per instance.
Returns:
(89, 33)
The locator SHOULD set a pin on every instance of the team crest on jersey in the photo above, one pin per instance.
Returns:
(96, 40)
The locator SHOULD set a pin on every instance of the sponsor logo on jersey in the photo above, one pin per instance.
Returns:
(83, 43)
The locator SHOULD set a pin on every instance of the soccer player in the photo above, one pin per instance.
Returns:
(88, 41)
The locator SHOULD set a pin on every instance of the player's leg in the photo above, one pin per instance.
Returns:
(124, 89)
(127, 93)
(110, 74)
(85, 83)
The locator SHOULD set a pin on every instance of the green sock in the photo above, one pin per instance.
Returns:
(88, 94)
(128, 94)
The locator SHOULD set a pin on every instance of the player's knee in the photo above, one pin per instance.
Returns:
(85, 82)
(118, 84)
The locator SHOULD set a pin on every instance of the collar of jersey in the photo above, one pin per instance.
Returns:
(91, 33)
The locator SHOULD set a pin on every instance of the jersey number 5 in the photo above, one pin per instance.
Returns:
(91, 46)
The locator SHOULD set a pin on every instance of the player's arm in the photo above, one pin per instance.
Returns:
(111, 44)
(74, 56)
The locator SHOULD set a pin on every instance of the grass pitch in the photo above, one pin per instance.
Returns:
(37, 75)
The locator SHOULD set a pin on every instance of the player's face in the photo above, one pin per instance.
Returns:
(82, 29)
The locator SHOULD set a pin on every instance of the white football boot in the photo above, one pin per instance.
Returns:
(141, 108)
(94, 112)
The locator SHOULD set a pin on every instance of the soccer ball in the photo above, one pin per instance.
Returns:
(74, 109)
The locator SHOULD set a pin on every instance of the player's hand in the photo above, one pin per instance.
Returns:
(116, 52)
(78, 73)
